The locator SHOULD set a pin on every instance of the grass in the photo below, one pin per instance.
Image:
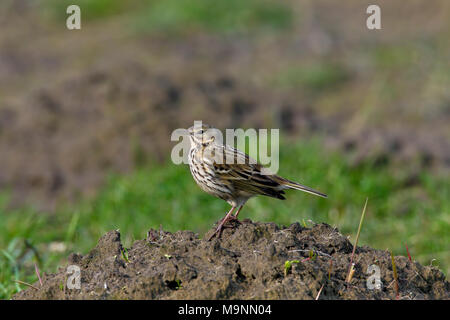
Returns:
(165, 194)
(217, 16)
(181, 16)
(351, 265)
(315, 77)
(288, 266)
(90, 10)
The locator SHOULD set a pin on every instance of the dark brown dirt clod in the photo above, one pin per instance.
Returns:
(247, 262)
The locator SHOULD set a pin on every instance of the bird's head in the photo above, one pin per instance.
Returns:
(202, 134)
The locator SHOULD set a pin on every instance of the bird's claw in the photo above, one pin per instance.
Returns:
(222, 225)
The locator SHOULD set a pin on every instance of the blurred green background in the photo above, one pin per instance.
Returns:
(86, 117)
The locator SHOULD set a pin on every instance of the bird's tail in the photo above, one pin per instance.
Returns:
(297, 186)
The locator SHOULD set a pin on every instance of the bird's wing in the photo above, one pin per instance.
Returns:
(240, 171)
(245, 173)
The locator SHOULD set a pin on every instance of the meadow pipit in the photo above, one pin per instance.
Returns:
(234, 181)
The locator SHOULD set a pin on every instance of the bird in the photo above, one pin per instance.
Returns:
(234, 181)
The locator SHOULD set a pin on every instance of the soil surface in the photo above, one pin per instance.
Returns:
(247, 262)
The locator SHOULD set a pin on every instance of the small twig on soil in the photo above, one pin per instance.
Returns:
(357, 238)
(350, 273)
(161, 232)
(394, 268)
(320, 291)
(407, 251)
(64, 289)
(329, 269)
(37, 273)
(27, 284)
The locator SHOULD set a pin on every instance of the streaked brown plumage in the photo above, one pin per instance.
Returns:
(234, 181)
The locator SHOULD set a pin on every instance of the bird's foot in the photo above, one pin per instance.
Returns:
(222, 225)
(229, 218)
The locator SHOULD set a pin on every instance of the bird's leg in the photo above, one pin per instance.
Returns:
(237, 213)
(222, 222)
(233, 216)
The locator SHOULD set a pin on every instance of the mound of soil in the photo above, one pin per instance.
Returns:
(247, 262)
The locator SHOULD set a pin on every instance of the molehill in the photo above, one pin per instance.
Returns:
(247, 262)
